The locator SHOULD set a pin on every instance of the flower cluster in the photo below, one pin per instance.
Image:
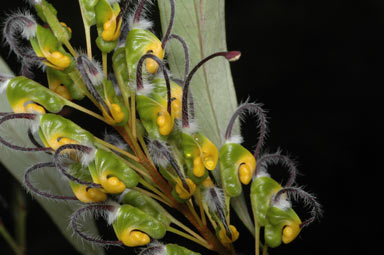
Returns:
(160, 159)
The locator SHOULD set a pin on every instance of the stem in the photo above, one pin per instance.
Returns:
(154, 196)
(133, 113)
(180, 233)
(181, 225)
(85, 110)
(105, 63)
(150, 187)
(194, 213)
(87, 30)
(70, 48)
(257, 237)
(8, 238)
(115, 148)
(265, 249)
(21, 212)
(202, 213)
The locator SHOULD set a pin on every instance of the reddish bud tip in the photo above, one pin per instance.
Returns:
(232, 55)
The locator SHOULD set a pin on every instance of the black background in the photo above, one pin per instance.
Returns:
(317, 68)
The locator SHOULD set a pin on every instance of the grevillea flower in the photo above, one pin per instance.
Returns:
(154, 160)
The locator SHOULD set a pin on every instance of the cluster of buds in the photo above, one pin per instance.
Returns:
(165, 160)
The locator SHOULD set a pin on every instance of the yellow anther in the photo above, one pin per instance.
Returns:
(111, 30)
(57, 59)
(34, 108)
(134, 238)
(290, 232)
(156, 49)
(247, 165)
(183, 194)
(210, 154)
(198, 167)
(56, 141)
(223, 235)
(165, 123)
(117, 113)
(112, 184)
(89, 195)
(177, 94)
(63, 91)
(67, 27)
(245, 174)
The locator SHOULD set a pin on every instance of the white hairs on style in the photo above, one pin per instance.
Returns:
(112, 215)
(153, 248)
(192, 128)
(33, 2)
(87, 157)
(214, 203)
(282, 203)
(235, 139)
(144, 22)
(34, 124)
(157, 153)
(147, 88)
(115, 140)
(113, 1)
(19, 25)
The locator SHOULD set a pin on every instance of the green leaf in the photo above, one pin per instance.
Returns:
(202, 24)
(17, 162)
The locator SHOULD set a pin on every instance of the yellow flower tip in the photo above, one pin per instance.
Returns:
(112, 184)
(134, 238)
(290, 232)
(156, 49)
(210, 155)
(89, 195)
(111, 29)
(225, 239)
(34, 108)
(198, 167)
(58, 59)
(67, 27)
(207, 183)
(183, 194)
(165, 123)
(63, 91)
(245, 174)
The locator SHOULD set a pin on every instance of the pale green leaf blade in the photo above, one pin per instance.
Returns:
(202, 24)
(17, 162)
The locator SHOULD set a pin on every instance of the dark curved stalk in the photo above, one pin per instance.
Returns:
(308, 199)
(251, 107)
(139, 77)
(12, 116)
(275, 159)
(186, 52)
(17, 23)
(77, 147)
(75, 225)
(230, 55)
(139, 10)
(31, 187)
(170, 25)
